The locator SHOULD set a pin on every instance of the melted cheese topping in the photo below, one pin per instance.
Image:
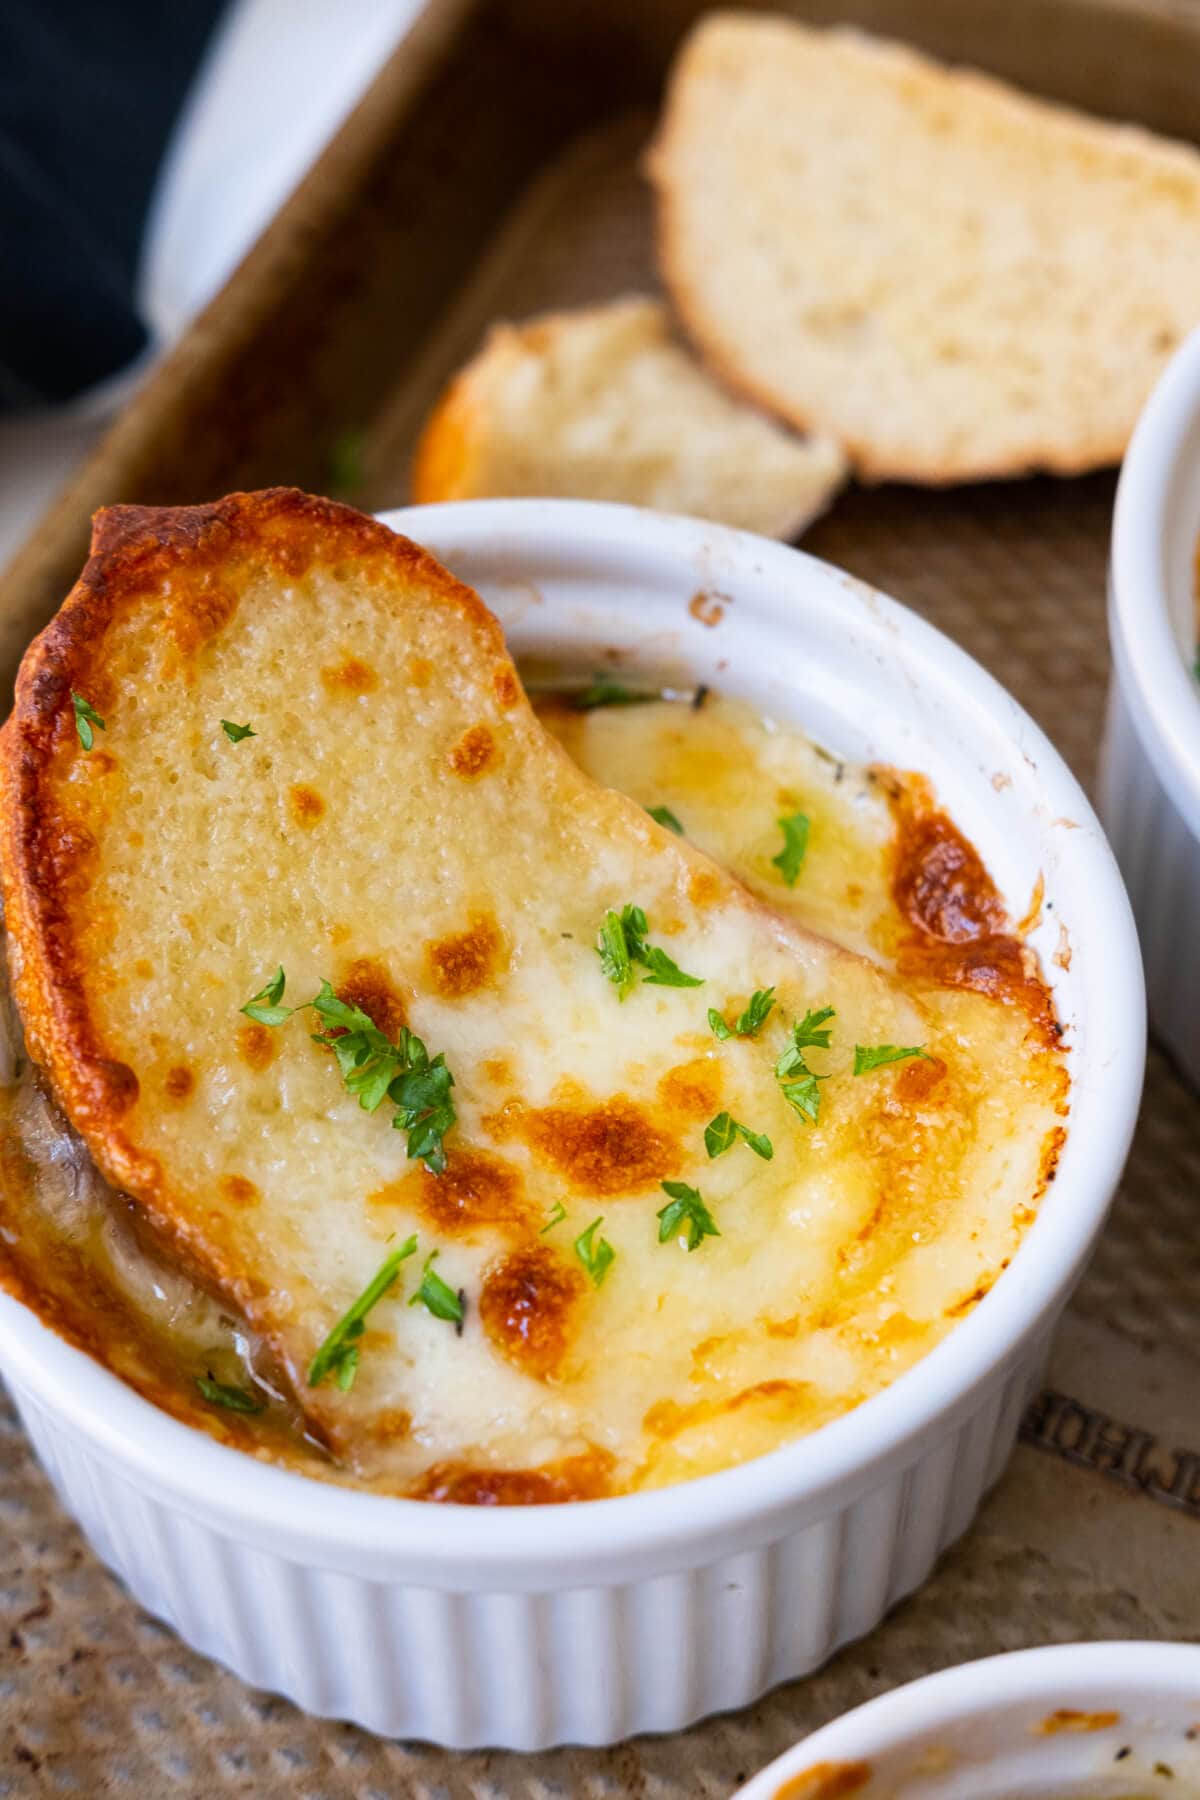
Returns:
(839, 1261)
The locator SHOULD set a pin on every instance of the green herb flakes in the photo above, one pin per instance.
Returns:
(687, 1213)
(597, 1258)
(373, 1068)
(236, 733)
(799, 1085)
(795, 843)
(875, 1056)
(662, 815)
(433, 1293)
(622, 943)
(85, 717)
(750, 1022)
(233, 1399)
(338, 1355)
(721, 1133)
(604, 690)
(812, 1030)
(265, 1007)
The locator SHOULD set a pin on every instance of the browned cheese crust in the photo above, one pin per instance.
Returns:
(184, 567)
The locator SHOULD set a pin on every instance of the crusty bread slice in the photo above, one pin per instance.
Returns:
(402, 825)
(955, 280)
(602, 404)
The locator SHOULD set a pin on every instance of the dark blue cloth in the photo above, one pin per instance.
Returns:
(89, 91)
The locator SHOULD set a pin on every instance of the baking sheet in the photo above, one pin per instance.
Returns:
(1095, 1529)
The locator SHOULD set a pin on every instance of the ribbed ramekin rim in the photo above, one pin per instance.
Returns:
(309, 1519)
(1161, 693)
(1049, 1674)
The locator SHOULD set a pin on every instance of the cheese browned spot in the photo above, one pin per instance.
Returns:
(257, 1045)
(693, 1089)
(704, 889)
(463, 962)
(609, 1147)
(584, 1477)
(239, 1190)
(476, 1191)
(474, 751)
(959, 932)
(915, 1081)
(526, 1306)
(368, 985)
(179, 1082)
(391, 1426)
(305, 803)
(505, 687)
(352, 677)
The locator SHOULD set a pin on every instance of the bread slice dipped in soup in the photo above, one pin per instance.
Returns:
(467, 1098)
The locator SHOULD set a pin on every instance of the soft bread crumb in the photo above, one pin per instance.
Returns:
(954, 280)
(601, 404)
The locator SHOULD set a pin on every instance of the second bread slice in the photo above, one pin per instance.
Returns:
(953, 279)
(601, 404)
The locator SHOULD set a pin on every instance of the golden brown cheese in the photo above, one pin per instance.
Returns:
(839, 1261)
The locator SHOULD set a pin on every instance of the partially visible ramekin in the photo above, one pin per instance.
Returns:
(1150, 762)
(1085, 1720)
(526, 1627)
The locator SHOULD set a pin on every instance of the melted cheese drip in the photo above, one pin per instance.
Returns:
(839, 1262)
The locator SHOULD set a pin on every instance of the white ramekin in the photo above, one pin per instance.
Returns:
(526, 1627)
(1150, 761)
(1091, 1720)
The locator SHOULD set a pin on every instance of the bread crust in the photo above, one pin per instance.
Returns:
(135, 552)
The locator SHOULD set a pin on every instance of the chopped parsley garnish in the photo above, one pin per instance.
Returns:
(85, 717)
(810, 1030)
(597, 1258)
(374, 1068)
(441, 1300)
(800, 1086)
(613, 950)
(666, 973)
(802, 1092)
(721, 1133)
(795, 843)
(557, 1214)
(265, 1006)
(235, 733)
(750, 1022)
(233, 1399)
(687, 1210)
(603, 690)
(874, 1056)
(338, 1355)
(622, 943)
(662, 815)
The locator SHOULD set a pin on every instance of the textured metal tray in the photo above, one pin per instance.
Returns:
(493, 169)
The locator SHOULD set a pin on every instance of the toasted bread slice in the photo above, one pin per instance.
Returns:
(602, 404)
(401, 825)
(954, 280)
